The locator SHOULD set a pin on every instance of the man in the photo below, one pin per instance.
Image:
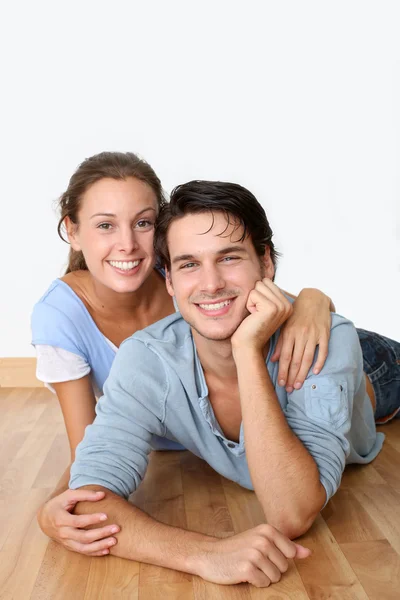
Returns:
(204, 378)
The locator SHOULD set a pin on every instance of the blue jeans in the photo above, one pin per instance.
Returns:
(382, 365)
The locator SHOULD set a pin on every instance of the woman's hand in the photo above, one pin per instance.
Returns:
(56, 521)
(308, 327)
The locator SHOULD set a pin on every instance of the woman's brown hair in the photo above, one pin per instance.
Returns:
(114, 165)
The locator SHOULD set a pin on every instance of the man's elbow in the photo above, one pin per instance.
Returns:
(295, 523)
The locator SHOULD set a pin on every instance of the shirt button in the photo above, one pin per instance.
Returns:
(231, 445)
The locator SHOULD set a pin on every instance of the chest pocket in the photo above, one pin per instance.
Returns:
(326, 401)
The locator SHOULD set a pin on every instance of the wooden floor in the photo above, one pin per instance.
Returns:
(355, 543)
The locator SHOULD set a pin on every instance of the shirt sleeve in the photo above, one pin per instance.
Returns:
(51, 326)
(320, 412)
(115, 448)
(55, 365)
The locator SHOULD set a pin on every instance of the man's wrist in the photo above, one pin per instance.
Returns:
(197, 556)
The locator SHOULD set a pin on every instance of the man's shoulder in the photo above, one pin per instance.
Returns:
(172, 331)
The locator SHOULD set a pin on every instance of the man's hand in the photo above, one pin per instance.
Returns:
(268, 309)
(258, 556)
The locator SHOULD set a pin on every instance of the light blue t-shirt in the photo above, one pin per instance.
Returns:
(157, 386)
(61, 319)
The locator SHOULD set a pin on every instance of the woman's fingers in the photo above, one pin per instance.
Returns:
(69, 498)
(305, 366)
(92, 535)
(286, 353)
(91, 548)
(322, 354)
(81, 521)
(295, 363)
(277, 352)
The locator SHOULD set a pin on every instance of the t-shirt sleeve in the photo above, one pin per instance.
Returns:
(115, 448)
(54, 365)
(51, 326)
(320, 412)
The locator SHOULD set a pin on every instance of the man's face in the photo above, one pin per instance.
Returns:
(212, 273)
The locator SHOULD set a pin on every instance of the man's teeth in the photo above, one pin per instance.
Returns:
(216, 306)
(125, 266)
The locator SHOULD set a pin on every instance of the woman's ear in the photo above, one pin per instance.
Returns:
(72, 233)
(268, 265)
(168, 282)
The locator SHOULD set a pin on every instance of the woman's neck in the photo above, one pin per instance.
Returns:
(107, 302)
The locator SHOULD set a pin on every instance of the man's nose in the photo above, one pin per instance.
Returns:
(212, 281)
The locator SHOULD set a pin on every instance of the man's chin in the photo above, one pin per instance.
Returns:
(211, 334)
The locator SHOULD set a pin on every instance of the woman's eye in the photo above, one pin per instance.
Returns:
(144, 223)
(105, 226)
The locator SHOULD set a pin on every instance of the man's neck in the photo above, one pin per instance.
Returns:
(216, 357)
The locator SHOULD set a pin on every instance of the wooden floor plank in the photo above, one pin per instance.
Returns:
(23, 550)
(377, 566)
(329, 575)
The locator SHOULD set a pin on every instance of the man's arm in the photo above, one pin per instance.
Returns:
(285, 466)
(258, 556)
(284, 474)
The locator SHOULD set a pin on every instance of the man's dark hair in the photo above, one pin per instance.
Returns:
(240, 207)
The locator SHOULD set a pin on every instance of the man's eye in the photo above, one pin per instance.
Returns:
(143, 223)
(188, 265)
(230, 258)
(104, 226)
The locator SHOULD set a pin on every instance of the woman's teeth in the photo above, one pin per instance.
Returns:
(124, 266)
(216, 306)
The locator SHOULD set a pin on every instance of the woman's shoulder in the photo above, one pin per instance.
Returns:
(60, 304)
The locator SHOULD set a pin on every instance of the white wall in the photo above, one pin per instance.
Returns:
(299, 101)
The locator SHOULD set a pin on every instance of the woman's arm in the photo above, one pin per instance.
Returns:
(308, 327)
(77, 403)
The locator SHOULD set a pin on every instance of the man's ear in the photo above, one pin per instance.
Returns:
(72, 233)
(269, 269)
(168, 282)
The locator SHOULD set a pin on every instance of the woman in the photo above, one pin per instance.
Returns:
(111, 289)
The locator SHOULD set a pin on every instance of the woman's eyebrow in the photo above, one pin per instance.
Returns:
(104, 214)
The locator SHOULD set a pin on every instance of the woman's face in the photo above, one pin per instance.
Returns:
(115, 232)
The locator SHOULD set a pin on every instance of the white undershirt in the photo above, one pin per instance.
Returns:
(55, 365)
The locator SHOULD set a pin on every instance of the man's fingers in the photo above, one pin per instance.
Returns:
(256, 577)
(279, 559)
(286, 546)
(302, 551)
(269, 569)
(322, 355)
(100, 553)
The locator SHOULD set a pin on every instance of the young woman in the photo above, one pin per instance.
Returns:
(112, 288)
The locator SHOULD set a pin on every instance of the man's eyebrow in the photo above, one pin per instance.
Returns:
(114, 215)
(227, 250)
(230, 249)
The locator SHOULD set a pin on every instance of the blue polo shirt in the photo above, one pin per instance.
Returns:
(157, 386)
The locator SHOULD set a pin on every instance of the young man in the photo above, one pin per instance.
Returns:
(204, 378)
